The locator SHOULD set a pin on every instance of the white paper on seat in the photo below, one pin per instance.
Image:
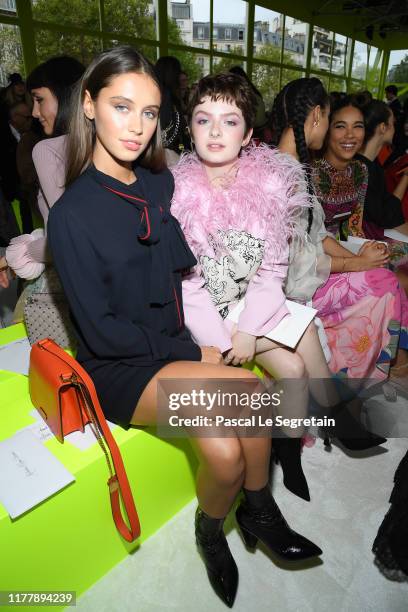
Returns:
(292, 327)
(354, 243)
(15, 356)
(29, 473)
(83, 441)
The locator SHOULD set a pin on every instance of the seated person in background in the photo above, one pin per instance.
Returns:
(351, 185)
(28, 180)
(395, 165)
(9, 138)
(394, 104)
(172, 122)
(8, 229)
(15, 91)
(361, 305)
(382, 209)
(51, 86)
(184, 89)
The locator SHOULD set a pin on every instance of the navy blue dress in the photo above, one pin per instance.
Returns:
(119, 254)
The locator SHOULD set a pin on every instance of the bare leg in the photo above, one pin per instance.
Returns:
(307, 360)
(225, 463)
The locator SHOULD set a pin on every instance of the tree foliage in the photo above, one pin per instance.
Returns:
(128, 18)
(187, 59)
(267, 77)
(399, 73)
(10, 52)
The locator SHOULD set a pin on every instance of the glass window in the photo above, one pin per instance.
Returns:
(223, 64)
(324, 79)
(295, 43)
(339, 62)
(339, 85)
(374, 69)
(50, 43)
(398, 67)
(149, 51)
(291, 75)
(268, 29)
(360, 60)
(11, 56)
(195, 15)
(230, 23)
(266, 79)
(68, 12)
(322, 47)
(357, 86)
(191, 64)
(215, 33)
(136, 18)
(8, 7)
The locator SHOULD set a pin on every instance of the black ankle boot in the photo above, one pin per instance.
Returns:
(259, 518)
(221, 568)
(287, 451)
(349, 431)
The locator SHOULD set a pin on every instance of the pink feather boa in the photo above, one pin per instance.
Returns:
(268, 193)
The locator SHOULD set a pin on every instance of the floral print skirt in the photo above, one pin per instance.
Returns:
(365, 317)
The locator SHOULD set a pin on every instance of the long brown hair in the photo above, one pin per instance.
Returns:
(81, 136)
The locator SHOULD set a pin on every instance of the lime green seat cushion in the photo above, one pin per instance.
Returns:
(70, 541)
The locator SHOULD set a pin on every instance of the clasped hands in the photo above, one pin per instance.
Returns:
(242, 351)
(375, 253)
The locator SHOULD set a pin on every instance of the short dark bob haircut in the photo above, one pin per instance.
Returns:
(229, 87)
(59, 75)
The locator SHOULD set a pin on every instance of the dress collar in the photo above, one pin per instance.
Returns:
(108, 181)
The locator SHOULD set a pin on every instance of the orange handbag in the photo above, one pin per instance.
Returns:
(65, 396)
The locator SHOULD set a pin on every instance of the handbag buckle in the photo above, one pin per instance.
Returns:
(113, 484)
(69, 378)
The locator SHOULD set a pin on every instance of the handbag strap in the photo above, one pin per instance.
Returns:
(118, 483)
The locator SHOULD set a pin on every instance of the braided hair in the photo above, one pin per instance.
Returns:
(290, 109)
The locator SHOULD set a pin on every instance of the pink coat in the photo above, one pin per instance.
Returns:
(27, 254)
(256, 211)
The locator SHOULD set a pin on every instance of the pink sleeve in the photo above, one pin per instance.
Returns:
(201, 316)
(48, 158)
(38, 250)
(18, 256)
(264, 299)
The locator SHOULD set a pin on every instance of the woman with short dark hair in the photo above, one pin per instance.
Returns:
(51, 85)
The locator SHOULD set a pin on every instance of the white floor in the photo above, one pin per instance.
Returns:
(349, 500)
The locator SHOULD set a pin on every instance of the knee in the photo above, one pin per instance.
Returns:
(227, 463)
(295, 367)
